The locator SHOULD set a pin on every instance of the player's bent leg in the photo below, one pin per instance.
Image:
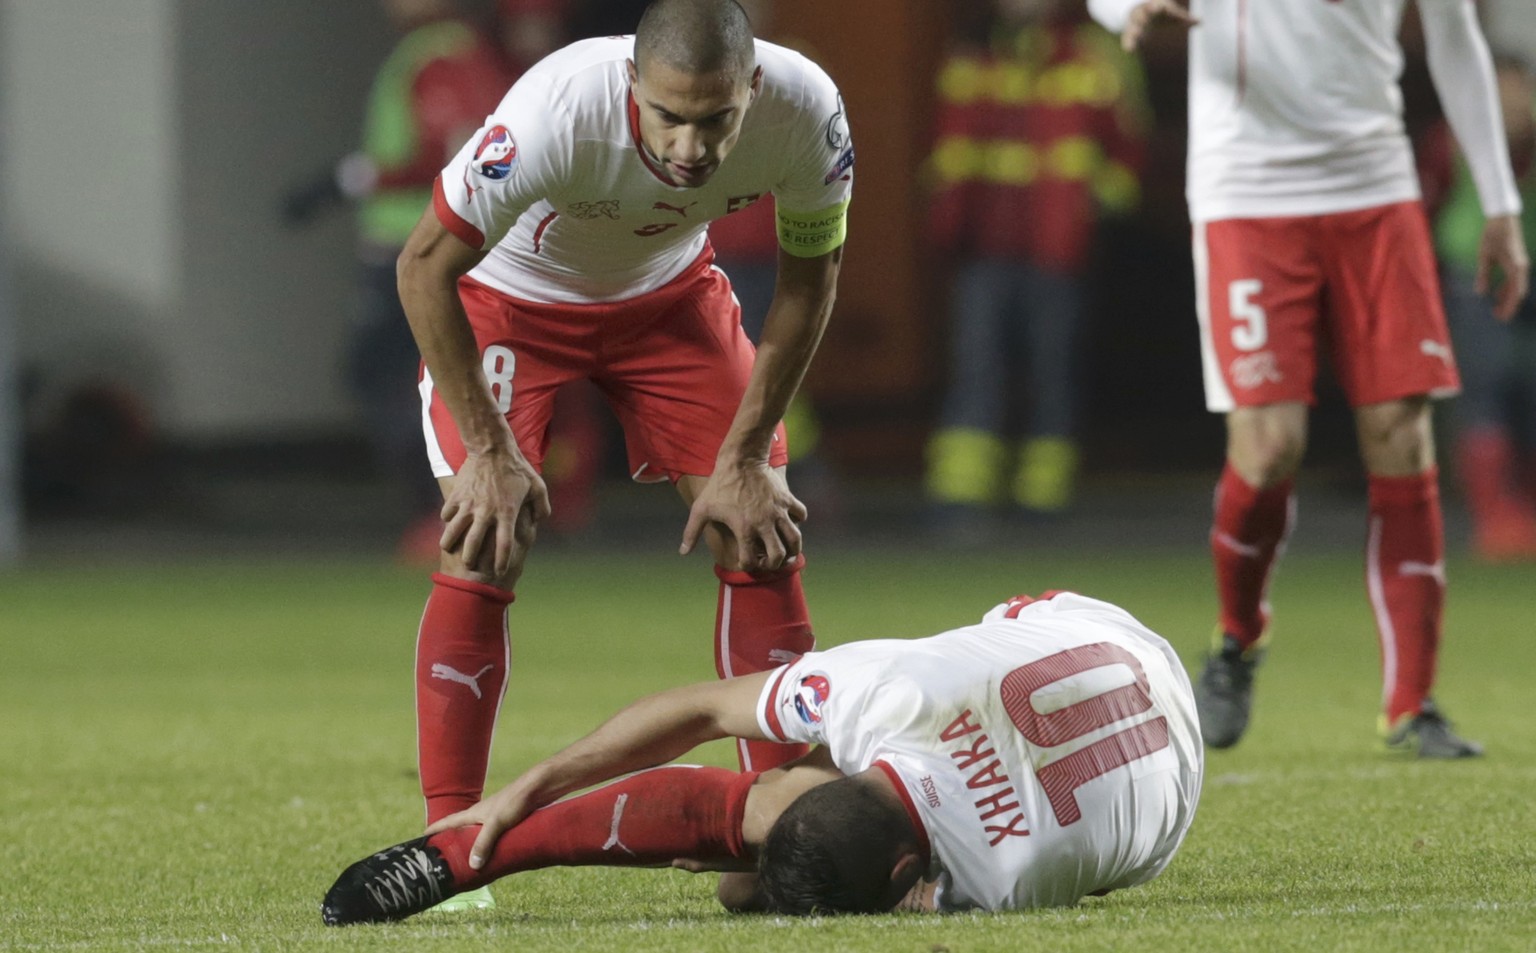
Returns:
(1254, 512)
(761, 622)
(648, 819)
(1405, 572)
(462, 660)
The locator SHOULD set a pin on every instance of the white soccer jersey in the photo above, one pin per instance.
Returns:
(1048, 752)
(1295, 108)
(558, 182)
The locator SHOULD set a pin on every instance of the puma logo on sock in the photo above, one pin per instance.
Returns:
(1435, 571)
(1228, 541)
(450, 674)
(613, 833)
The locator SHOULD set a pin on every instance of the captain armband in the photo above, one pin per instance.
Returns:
(812, 234)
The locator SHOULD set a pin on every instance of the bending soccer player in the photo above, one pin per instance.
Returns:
(1049, 752)
(1309, 236)
(568, 240)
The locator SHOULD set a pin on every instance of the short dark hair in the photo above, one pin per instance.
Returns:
(833, 851)
(696, 36)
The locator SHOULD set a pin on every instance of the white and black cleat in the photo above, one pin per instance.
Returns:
(393, 884)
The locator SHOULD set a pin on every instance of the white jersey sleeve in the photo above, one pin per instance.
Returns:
(1462, 69)
(812, 199)
(517, 158)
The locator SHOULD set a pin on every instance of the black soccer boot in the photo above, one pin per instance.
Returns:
(1224, 693)
(1428, 735)
(393, 884)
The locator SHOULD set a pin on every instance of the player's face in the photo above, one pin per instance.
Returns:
(690, 122)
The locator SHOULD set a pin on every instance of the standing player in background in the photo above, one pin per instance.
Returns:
(1046, 753)
(566, 241)
(436, 86)
(1039, 134)
(1495, 417)
(1308, 232)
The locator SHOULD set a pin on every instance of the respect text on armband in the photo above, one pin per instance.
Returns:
(815, 232)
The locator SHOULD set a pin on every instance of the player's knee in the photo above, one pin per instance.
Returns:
(452, 564)
(723, 548)
(1267, 458)
(1396, 437)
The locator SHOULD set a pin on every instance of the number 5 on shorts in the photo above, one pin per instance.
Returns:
(1250, 330)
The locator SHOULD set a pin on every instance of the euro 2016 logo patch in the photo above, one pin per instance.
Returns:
(810, 696)
(837, 126)
(496, 154)
(843, 166)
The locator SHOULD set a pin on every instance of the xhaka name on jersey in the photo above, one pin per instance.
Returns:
(990, 774)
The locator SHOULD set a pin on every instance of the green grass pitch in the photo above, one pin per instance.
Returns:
(189, 755)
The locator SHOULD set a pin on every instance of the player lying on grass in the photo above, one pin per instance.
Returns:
(1049, 752)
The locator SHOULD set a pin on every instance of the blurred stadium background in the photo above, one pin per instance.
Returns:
(170, 354)
(204, 631)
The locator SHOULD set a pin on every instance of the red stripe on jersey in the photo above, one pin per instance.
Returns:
(907, 802)
(1018, 602)
(462, 230)
(771, 713)
(538, 233)
(634, 133)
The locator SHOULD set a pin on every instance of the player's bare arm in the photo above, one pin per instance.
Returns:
(492, 503)
(652, 731)
(744, 496)
(1503, 251)
(1462, 70)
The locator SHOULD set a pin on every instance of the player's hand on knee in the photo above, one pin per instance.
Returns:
(755, 509)
(491, 512)
(1143, 16)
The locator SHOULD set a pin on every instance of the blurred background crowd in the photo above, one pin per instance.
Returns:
(201, 201)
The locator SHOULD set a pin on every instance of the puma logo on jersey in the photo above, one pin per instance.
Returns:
(679, 209)
(1435, 571)
(656, 229)
(450, 674)
(1435, 349)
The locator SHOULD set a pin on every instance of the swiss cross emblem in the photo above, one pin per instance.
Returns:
(738, 202)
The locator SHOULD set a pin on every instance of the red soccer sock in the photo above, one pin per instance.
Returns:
(761, 623)
(1405, 576)
(648, 819)
(462, 656)
(1247, 538)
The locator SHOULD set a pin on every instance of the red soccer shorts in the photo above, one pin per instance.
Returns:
(1364, 282)
(673, 364)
